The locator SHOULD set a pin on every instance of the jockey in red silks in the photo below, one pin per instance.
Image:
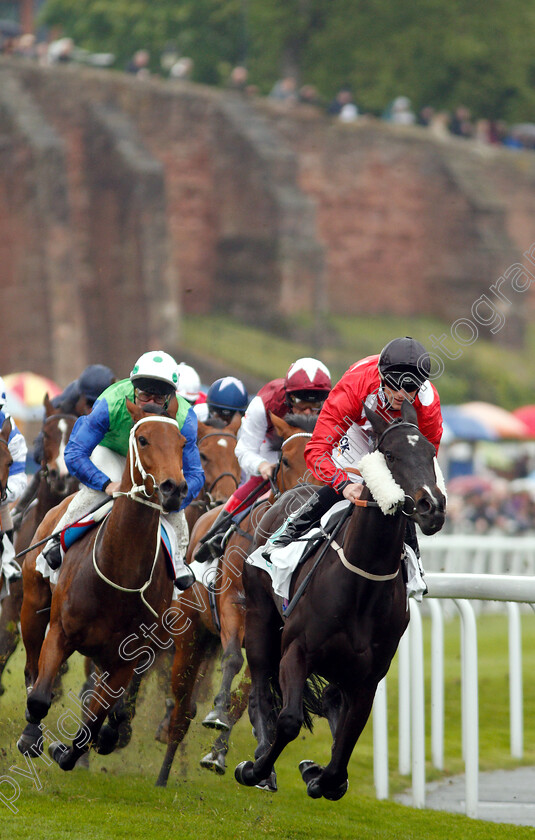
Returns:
(302, 391)
(341, 436)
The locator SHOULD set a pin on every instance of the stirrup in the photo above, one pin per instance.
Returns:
(185, 579)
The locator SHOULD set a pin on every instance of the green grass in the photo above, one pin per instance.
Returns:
(117, 797)
(484, 371)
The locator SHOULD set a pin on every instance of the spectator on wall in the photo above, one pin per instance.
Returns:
(139, 64)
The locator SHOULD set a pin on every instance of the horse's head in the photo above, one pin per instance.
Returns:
(411, 460)
(216, 448)
(57, 429)
(295, 431)
(5, 457)
(155, 455)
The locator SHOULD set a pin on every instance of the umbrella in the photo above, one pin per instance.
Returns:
(30, 388)
(527, 415)
(461, 426)
(503, 422)
(463, 484)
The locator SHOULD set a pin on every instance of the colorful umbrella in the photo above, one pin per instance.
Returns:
(460, 426)
(504, 423)
(30, 388)
(527, 415)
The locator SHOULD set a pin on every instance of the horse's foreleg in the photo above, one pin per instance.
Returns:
(108, 690)
(187, 661)
(55, 650)
(331, 781)
(9, 625)
(34, 618)
(231, 664)
(293, 675)
(215, 759)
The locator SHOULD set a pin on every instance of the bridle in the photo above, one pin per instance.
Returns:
(44, 472)
(396, 424)
(276, 488)
(208, 503)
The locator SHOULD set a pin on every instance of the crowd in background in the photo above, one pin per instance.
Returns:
(286, 91)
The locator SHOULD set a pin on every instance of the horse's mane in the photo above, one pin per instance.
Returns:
(305, 422)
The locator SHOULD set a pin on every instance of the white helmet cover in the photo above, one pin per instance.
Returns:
(156, 365)
(189, 382)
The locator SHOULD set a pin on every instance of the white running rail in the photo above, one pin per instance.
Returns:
(462, 589)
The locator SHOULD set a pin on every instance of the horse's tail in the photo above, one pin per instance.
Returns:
(312, 700)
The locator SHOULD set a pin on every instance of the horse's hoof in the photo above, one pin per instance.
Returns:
(56, 751)
(31, 741)
(337, 793)
(214, 761)
(217, 720)
(125, 735)
(314, 789)
(244, 774)
(269, 784)
(309, 770)
(107, 740)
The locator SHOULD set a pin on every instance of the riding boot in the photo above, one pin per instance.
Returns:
(211, 544)
(416, 585)
(185, 579)
(298, 523)
(53, 553)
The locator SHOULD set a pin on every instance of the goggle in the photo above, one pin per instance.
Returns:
(224, 413)
(315, 405)
(157, 399)
(401, 383)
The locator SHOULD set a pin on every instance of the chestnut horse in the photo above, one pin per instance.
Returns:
(55, 484)
(201, 625)
(112, 580)
(347, 623)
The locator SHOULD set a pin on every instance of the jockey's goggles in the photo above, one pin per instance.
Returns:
(157, 399)
(301, 402)
(401, 382)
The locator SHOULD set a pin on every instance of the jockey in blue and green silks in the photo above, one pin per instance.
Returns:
(98, 446)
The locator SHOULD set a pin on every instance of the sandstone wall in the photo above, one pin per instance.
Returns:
(125, 204)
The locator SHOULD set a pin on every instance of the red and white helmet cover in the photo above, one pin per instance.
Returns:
(307, 375)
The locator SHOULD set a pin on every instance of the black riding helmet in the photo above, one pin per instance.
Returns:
(404, 363)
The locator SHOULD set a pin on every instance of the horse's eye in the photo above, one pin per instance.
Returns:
(285, 462)
(142, 441)
(204, 458)
(389, 456)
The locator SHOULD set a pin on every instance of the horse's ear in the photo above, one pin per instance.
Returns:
(379, 424)
(202, 429)
(172, 408)
(134, 410)
(6, 429)
(282, 428)
(235, 423)
(49, 408)
(408, 412)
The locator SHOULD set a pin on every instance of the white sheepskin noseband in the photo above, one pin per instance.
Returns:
(384, 489)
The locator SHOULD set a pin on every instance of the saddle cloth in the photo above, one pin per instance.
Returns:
(8, 564)
(72, 533)
(284, 561)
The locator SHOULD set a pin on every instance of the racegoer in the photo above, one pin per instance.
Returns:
(98, 445)
(302, 391)
(341, 436)
(224, 398)
(189, 384)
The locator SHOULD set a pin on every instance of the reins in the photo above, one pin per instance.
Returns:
(135, 461)
(275, 489)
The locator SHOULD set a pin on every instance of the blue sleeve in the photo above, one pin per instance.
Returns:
(87, 433)
(191, 460)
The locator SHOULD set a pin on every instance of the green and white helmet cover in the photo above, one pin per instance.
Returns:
(156, 366)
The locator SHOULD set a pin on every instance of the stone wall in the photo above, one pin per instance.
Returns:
(125, 204)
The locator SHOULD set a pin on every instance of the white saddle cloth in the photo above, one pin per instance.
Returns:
(283, 561)
(10, 567)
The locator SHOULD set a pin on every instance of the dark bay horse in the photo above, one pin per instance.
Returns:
(55, 484)
(201, 625)
(346, 626)
(5, 463)
(112, 580)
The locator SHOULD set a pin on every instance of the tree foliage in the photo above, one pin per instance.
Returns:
(474, 52)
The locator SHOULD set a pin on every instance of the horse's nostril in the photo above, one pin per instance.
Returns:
(183, 488)
(168, 487)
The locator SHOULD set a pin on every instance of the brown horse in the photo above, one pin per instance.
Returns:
(202, 623)
(112, 580)
(347, 623)
(55, 484)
